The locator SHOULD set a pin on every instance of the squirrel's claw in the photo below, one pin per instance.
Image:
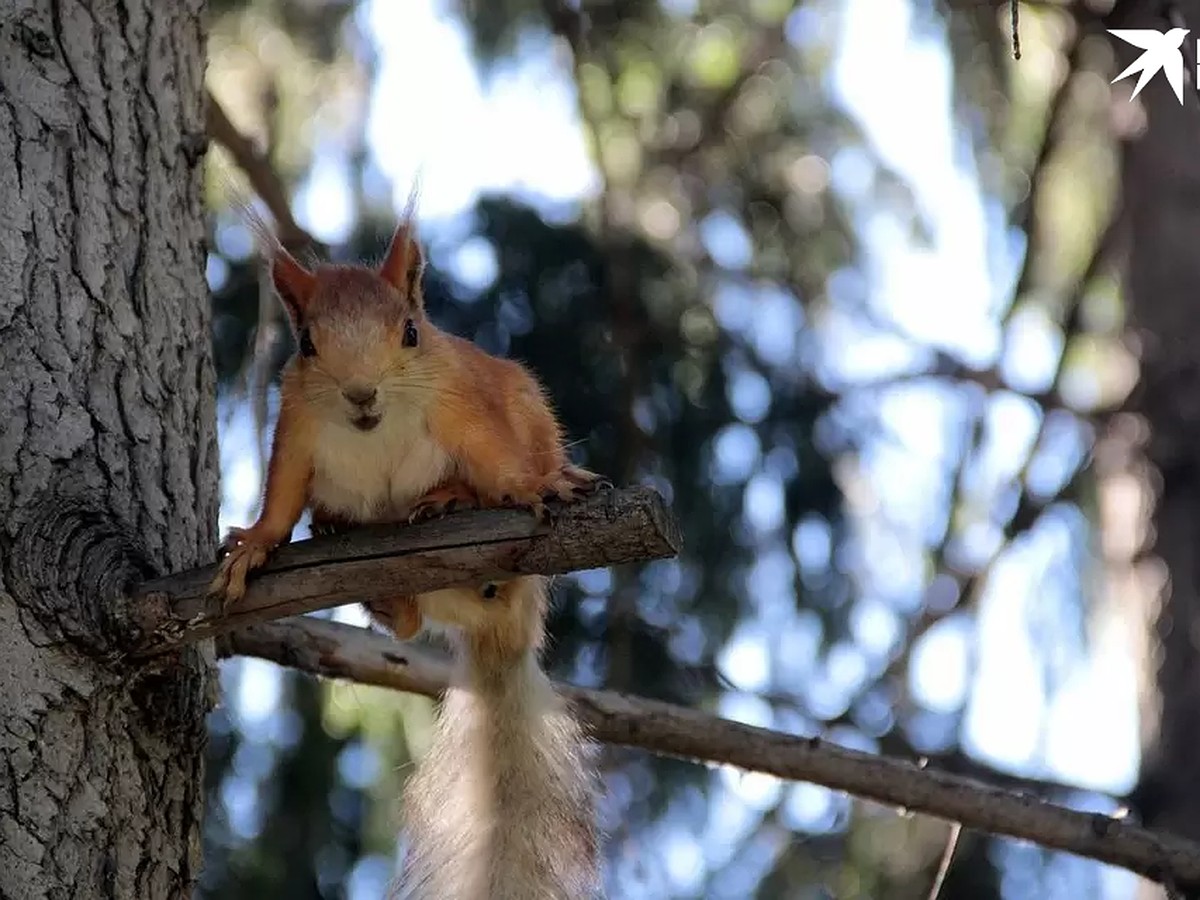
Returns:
(226, 586)
(423, 512)
(441, 502)
(583, 483)
(570, 484)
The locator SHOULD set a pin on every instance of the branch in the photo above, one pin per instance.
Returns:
(385, 562)
(1028, 211)
(955, 761)
(262, 176)
(346, 652)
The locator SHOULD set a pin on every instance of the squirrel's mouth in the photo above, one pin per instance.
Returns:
(365, 423)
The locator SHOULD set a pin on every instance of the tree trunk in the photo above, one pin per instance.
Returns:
(1161, 175)
(108, 462)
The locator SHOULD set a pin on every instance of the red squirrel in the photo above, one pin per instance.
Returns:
(384, 418)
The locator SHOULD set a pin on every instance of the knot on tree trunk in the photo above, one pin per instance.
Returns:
(71, 566)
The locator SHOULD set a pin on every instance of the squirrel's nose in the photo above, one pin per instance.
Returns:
(360, 395)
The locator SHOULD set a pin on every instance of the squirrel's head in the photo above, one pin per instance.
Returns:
(360, 332)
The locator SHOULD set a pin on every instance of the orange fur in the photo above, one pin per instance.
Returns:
(374, 428)
(497, 424)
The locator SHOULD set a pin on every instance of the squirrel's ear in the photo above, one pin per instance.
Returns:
(293, 282)
(405, 262)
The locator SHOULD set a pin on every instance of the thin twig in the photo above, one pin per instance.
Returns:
(1016, 28)
(947, 855)
(1026, 215)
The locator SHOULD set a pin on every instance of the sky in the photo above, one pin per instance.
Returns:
(945, 294)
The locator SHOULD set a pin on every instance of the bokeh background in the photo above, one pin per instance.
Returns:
(841, 279)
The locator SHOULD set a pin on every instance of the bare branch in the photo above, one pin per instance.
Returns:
(262, 176)
(385, 562)
(954, 760)
(346, 652)
(1016, 48)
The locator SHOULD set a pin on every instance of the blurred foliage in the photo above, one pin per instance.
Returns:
(281, 784)
(715, 139)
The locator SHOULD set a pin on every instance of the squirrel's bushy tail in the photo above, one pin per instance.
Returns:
(501, 806)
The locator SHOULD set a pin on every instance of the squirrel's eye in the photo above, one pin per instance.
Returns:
(306, 344)
(410, 333)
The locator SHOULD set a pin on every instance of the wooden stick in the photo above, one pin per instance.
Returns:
(385, 562)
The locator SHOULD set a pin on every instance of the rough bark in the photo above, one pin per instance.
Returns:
(1161, 184)
(108, 463)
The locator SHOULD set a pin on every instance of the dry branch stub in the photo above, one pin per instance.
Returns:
(384, 562)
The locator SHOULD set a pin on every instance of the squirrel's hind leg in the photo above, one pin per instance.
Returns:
(402, 616)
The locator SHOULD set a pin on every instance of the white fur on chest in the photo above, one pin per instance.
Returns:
(375, 476)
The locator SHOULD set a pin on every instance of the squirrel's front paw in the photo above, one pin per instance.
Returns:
(579, 483)
(243, 553)
(442, 501)
(570, 484)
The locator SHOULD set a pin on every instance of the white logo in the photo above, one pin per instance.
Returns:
(1161, 52)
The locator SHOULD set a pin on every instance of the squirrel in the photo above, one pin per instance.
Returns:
(501, 804)
(384, 418)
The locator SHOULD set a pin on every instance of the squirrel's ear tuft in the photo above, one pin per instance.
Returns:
(293, 282)
(404, 263)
